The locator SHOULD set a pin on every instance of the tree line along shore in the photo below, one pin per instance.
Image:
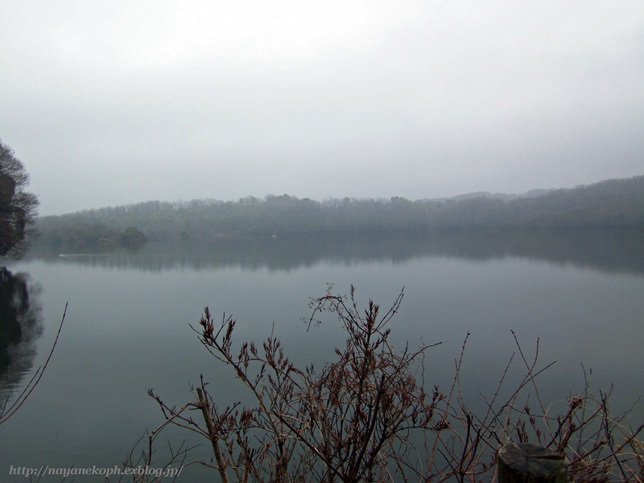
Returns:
(607, 204)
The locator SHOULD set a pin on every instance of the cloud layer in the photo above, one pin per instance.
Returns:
(117, 102)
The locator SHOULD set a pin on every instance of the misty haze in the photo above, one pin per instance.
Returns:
(474, 169)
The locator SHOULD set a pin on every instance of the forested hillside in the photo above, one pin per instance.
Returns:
(612, 203)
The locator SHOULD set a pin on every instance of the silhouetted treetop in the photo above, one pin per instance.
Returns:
(17, 207)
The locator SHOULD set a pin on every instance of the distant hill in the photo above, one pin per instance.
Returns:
(611, 203)
(500, 196)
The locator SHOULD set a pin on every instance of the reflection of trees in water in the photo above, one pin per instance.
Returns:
(617, 250)
(20, 326)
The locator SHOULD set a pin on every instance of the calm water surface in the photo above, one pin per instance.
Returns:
(127, 327)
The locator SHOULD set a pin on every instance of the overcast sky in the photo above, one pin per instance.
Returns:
(115, 102)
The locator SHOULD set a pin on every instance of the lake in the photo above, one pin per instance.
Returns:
(127, 328)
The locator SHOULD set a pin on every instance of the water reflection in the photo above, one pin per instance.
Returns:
(20, 326)
(606, 250)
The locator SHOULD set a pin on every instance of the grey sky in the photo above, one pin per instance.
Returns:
(114, 102)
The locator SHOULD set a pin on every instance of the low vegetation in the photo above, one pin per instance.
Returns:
(369, 415)
(95, 236)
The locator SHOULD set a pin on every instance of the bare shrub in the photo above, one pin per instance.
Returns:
(368, 416)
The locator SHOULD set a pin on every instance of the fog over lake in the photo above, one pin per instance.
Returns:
(484, 158)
